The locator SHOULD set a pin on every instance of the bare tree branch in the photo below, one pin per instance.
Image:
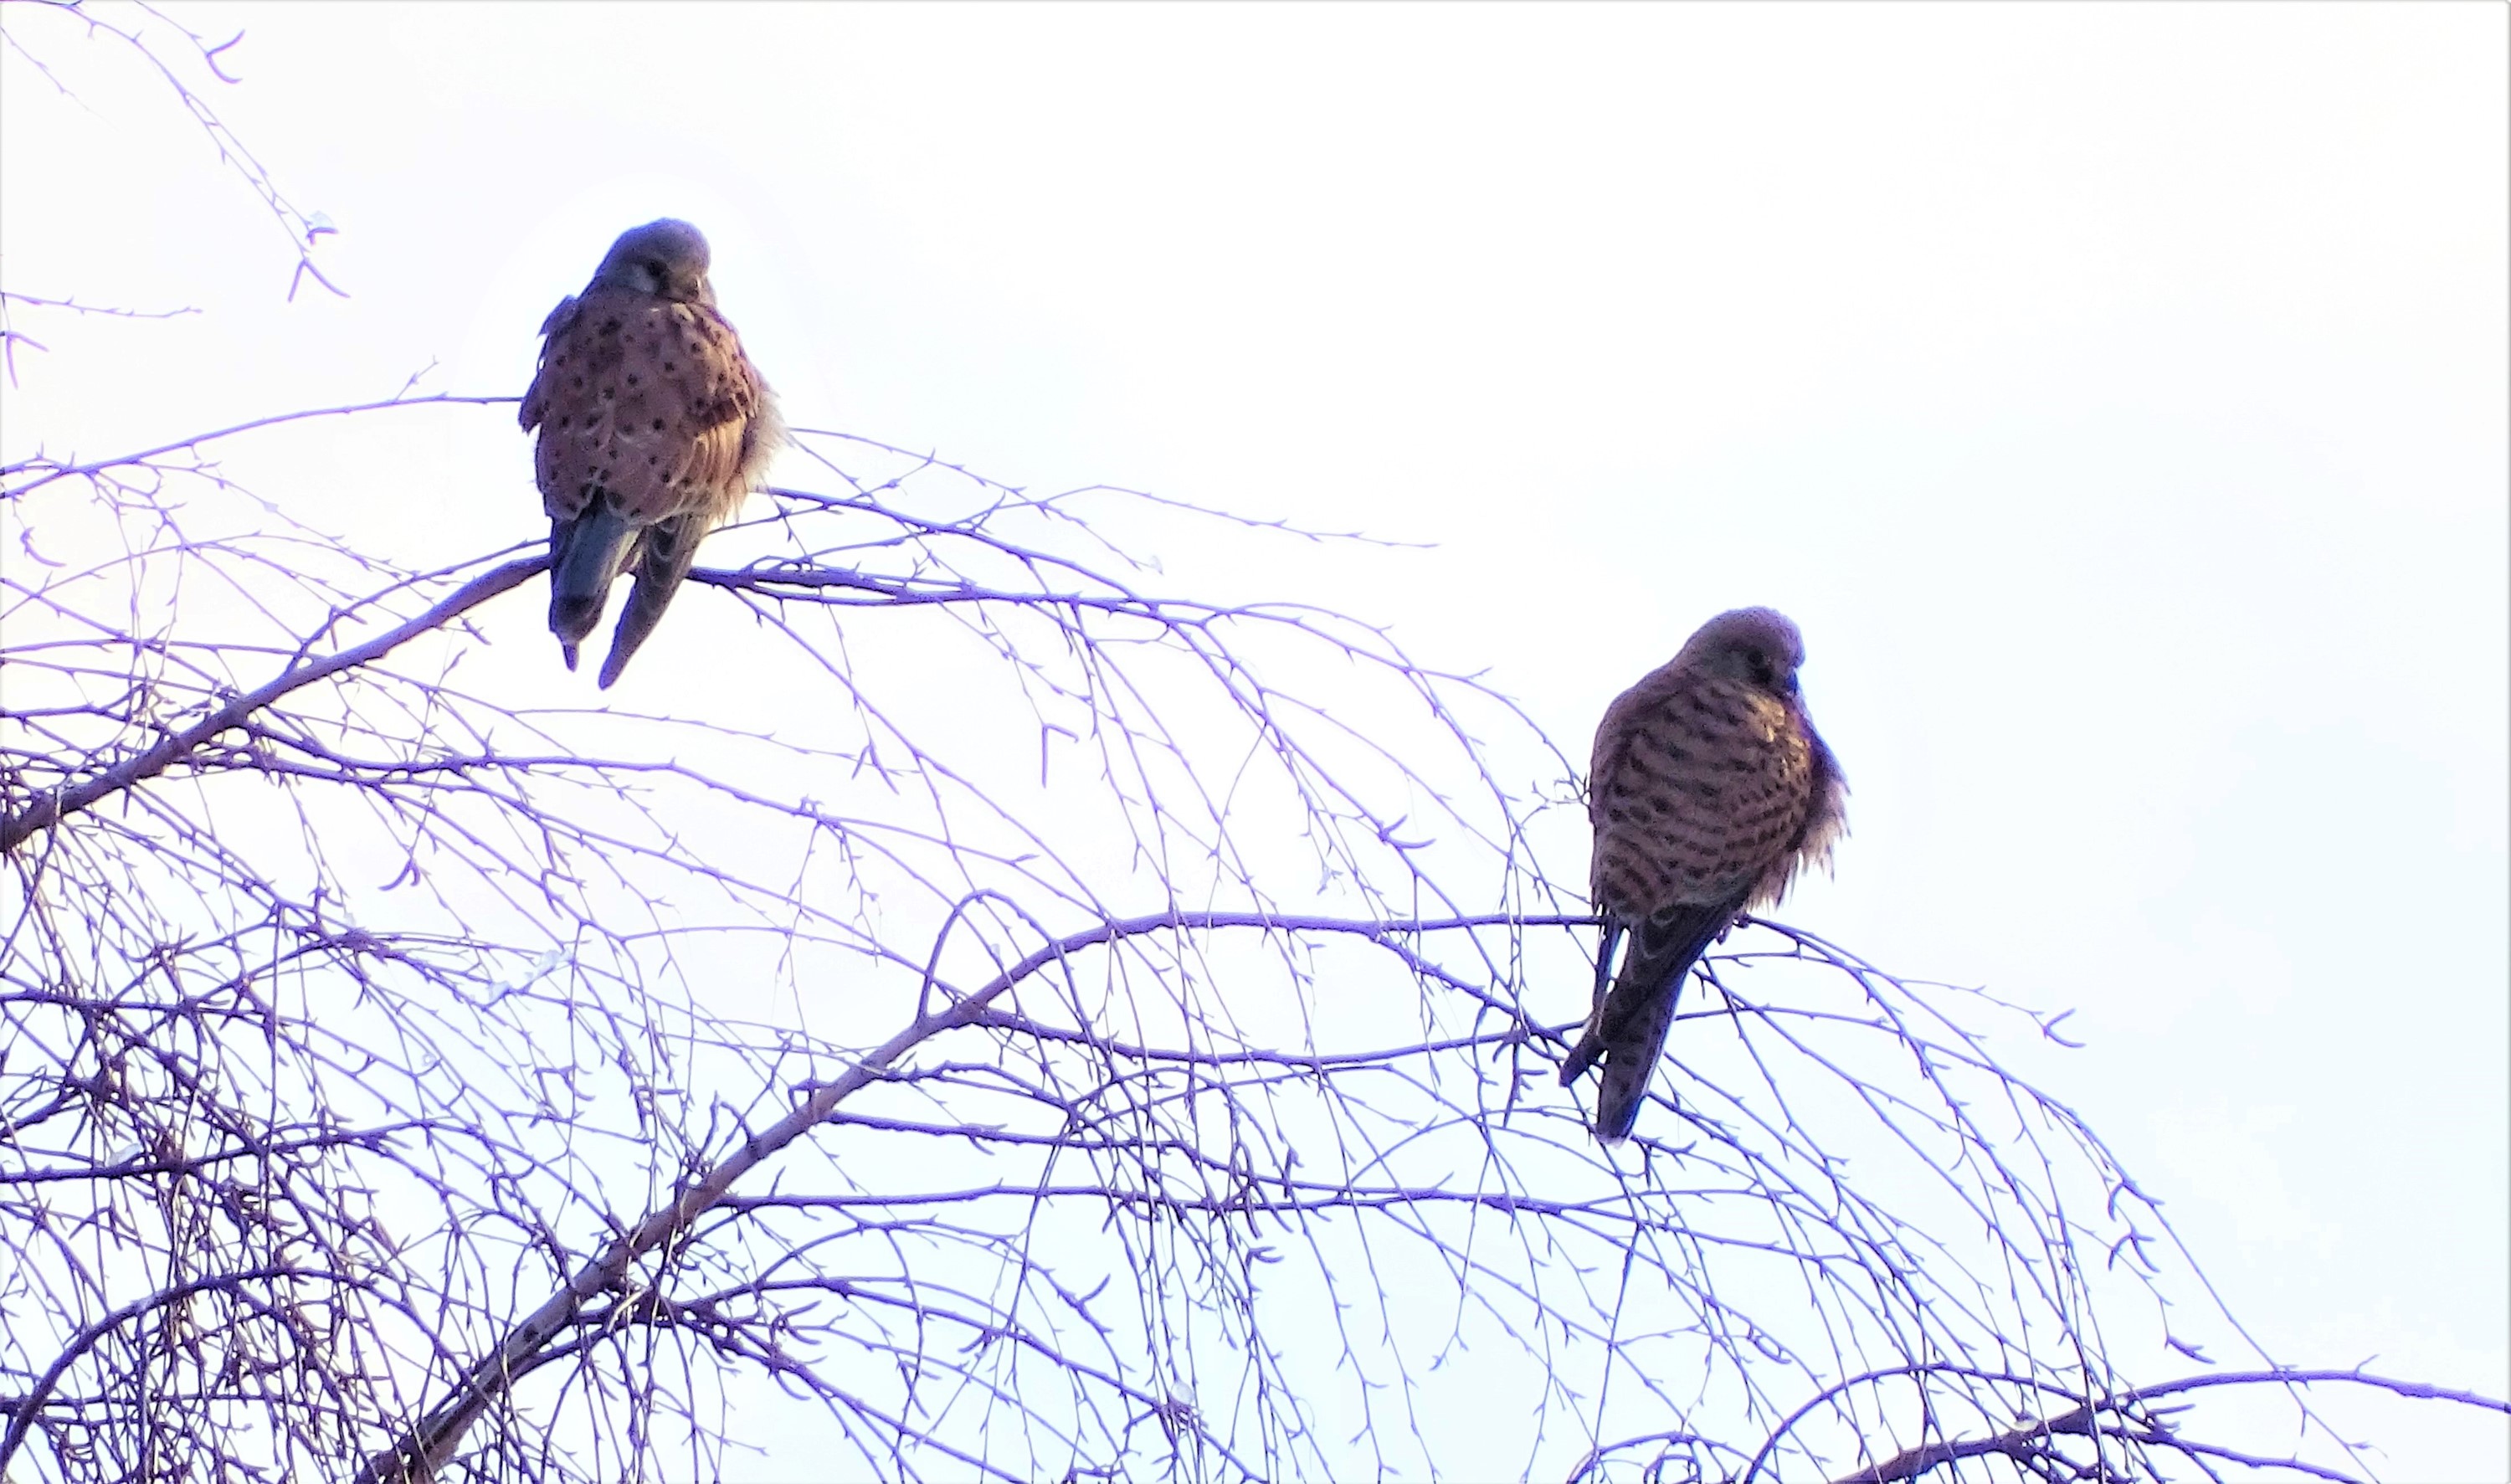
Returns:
(404, 1062)
(50, 809)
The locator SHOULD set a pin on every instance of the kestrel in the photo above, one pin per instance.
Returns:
(653, 429)
(1709, 791)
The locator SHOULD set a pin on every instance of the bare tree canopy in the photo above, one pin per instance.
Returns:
(1065, 1028)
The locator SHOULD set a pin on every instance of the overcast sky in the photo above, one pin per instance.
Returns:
(2114, 394)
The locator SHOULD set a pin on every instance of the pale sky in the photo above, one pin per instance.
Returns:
(2115, 395)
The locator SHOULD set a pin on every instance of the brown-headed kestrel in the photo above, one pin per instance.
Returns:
(653, 429)
(1709, 791)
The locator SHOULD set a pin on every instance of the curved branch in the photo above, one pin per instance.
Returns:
(427, 1447)
(2029, 1442)
(24, 1409)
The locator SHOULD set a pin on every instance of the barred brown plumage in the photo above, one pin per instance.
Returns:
(1708, 792)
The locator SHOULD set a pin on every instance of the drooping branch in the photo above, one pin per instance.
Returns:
(2128, 1416)
(424, 1450)
(305, 230)
(22, 1411)
(480, 992)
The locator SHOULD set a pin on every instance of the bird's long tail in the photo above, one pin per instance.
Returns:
(1627, 1030)
(585, 554)
(662, 559)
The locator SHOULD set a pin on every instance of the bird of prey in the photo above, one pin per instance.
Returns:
(653, 428)
(1708, 792)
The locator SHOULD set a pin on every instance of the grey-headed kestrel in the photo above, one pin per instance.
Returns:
(653, 429)
(1709, 791)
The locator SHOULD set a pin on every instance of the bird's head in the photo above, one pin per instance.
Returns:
(1759, 646)
(665, 258)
